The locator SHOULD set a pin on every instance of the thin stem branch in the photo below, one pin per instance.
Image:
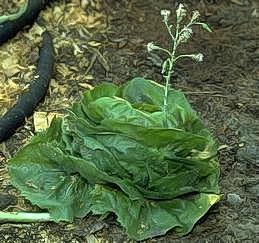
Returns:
(164, 50)
(169, 28)
(182, 56)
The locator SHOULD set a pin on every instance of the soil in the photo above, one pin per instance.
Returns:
(97, 41)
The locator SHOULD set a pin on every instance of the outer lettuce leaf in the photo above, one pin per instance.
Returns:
(152, 218)
(115, 152)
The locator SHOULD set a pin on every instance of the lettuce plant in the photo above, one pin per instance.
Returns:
(113, 153)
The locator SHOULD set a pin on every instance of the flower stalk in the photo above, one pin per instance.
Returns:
(181, 34)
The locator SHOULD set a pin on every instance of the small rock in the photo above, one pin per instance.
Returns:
(234, 199)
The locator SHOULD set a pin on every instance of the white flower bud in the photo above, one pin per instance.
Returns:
(195, 15)
(180, 13)
(197, 57)
(151, 46)
(165, 13)
(185, 35)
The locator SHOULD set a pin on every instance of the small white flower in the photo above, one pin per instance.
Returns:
(165, 13)
(185, 35)
(195, 15)
(197, 57)
(151, 46)
(180, 13)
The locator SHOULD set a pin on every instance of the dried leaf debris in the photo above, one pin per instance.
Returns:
(18, 64)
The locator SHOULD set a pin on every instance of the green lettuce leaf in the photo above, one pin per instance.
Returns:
(115, 152)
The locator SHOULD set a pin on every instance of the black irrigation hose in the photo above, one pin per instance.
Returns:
(27, 102)
(9, 28)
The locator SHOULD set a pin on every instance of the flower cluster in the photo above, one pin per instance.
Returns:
(195, 16)
(165, 13)
(185, 35)
(197, 57)
(181, 34)
(151, 46)
(180, 13)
